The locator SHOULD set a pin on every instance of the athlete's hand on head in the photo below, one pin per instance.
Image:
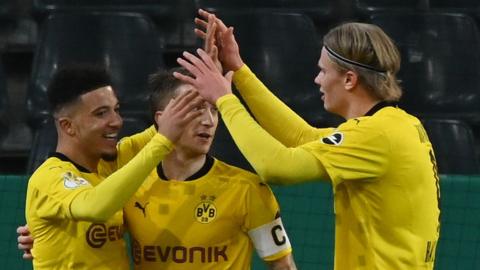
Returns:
(178, 113)
(219, 40)
(25, 242)
(206, 78)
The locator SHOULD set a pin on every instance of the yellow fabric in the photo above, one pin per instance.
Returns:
(269, 114)
(127, 148)
(99, 203)
(276, 163)
(61, 200)
(60, 242)
(383, 173)
(174, 223)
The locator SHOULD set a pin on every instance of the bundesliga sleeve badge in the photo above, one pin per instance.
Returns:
(71, 181)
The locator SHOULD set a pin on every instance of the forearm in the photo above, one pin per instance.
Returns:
(101, 202)
(127, 148)
(273, 161)
(284, 263)
(272, 114)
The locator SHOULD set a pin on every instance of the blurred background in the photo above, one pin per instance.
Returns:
(439, 41)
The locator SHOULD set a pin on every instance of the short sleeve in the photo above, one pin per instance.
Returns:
(352, 152)
(52, 192)
(264, 224)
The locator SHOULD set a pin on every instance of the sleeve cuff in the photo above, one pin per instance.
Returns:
(226, 99)
(241, 75)
(163, 141)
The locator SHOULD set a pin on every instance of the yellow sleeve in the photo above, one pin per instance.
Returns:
(50, 192)
(127, 148)
(262, 206)
(361, 152)
(264, 225)
(273, 161)
(102, 201)
(272, 114)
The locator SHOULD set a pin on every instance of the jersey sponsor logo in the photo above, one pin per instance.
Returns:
(141, 207)
(98, 234)
(205, 212)
(335, 138)
(71, 181)
(178, 254)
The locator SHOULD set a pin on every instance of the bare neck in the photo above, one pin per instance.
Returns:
(74, 153)
(180, 166)
(360, 103)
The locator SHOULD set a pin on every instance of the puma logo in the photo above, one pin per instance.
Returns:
(139, 206)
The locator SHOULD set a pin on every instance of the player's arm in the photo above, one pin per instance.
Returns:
(271, 159)
(99, 203)
(272, 114)
(267, 232)
(127, 148)
(284, 263)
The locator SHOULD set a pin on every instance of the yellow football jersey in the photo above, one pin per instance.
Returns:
(60, 241)
(382, 168)
(386, 206)
(213, 220)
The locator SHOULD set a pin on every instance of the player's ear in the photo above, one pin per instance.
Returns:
(157, 115)
(66, 125)
(350, 79)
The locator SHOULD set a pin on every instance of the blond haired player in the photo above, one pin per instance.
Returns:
(380, 161)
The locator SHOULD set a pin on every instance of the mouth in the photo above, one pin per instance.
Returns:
(204, 135)
(111, 136)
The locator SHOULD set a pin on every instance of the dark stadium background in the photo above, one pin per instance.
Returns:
(439, 41)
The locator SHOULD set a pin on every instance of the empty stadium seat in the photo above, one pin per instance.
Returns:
(440, 62)
(371, 6)
(454, 146)
(126, 43)
(470, 7)
(324, 14)
(45, 139)
(324, 7)
(456, 4)
(283, 52)
(174, 18)
(3, 104)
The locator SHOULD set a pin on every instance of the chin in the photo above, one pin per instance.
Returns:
(109, 156)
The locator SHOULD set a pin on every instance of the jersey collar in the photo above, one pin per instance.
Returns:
(203, 171)
(378, 107)
(65, 158)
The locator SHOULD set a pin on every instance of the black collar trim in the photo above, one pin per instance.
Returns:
(65, 158)
(203, 171)
(379, 106)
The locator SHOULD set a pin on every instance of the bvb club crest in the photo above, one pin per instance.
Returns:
(205, 211)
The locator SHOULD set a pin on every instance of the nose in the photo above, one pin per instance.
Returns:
(117, 120)
(317, 80)
(207, 118)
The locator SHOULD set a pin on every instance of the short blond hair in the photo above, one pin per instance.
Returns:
(372, 54)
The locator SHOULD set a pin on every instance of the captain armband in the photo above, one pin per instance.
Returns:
(270, 239)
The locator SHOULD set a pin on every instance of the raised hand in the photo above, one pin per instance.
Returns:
(178, 113)
(25, 242)
(206, 78)
(219, 40)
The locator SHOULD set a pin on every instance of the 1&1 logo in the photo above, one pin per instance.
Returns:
(205, 211)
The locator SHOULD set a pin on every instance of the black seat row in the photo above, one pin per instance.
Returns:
(283, 51)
